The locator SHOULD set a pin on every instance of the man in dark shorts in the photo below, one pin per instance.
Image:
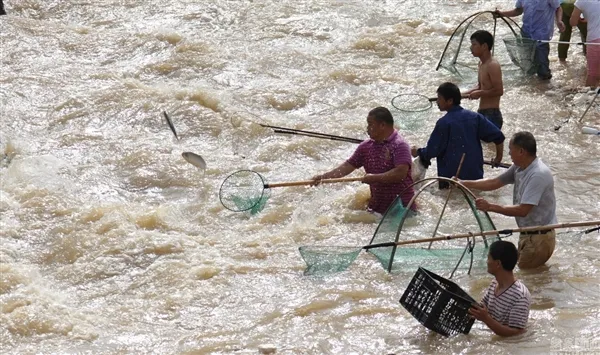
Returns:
(489, 87)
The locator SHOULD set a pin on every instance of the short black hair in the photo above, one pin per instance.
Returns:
(526, 141)
(483, 37)
(506, 252)
(450, 91)
(382, 114)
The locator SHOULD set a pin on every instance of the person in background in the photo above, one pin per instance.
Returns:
(538, 24)
(506, 303)
(489, 87)
(534, 202)
(458, 131)
(591, 11)
(563, 48)
(387, 162)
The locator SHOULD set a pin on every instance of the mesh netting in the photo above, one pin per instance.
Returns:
(442, 256)
(457, 57)
(244, 190)
(522, 53)
(411, 102)
(321, 260)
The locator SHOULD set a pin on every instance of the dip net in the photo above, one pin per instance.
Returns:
(445, 256)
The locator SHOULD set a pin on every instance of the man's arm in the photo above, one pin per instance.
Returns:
(487, 184)
(495, 73)
(521, 210)
(481, 313)
(396, 175)
(558, 18)
(436, 145)
(511, 13)
(342, 170)
(575, 16)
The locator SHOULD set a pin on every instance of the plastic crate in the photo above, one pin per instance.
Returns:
(438, 304)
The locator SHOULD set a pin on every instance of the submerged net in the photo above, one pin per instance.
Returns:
(321, 260)
(244, 190)
(457, 57)
(440, 256)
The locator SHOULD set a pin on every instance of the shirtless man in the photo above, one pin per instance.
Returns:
(489, 86)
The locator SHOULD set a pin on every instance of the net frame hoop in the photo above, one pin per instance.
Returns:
(262, 193)
(472, 17)
(430, 180)
(425, 99)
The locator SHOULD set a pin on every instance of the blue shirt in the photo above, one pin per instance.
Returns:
(538, 17)
(460, 131)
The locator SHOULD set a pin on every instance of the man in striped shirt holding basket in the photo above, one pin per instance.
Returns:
(505, 305)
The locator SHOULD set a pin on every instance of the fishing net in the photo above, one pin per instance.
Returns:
(522, 53)
(441, 256)
(412, 102)
(244, 190)
(322, 260)
(457, 57)
(412, 110)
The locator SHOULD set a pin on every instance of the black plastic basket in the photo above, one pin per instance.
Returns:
(438, 304)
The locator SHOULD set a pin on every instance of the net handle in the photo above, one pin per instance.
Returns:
(492, 232)
(451, 188)
(312, 182)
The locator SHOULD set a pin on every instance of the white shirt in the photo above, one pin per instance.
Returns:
(591, 12)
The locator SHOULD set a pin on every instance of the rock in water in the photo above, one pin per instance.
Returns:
(267, 349)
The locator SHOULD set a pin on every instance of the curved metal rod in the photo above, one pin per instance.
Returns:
(441, 178)
(410, 203)
(465, 20)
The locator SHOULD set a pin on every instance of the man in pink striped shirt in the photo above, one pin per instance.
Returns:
(386, 159)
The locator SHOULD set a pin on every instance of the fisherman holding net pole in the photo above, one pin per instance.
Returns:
(459, 131)
(534, 203)
(386, 160)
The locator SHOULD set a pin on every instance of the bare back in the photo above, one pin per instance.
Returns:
(490, 77)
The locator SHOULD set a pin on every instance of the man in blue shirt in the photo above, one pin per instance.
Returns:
(459, 131)
(538, 24)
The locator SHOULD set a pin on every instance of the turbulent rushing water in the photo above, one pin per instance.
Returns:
(111, 243)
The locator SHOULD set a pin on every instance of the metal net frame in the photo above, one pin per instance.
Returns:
(397, 258)
(457, 57)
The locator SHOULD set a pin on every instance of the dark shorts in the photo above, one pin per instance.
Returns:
(494, 115)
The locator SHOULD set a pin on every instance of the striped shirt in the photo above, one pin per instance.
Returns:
(511, 307)
(378, 158)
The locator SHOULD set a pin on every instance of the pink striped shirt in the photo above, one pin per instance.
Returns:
(379, 158)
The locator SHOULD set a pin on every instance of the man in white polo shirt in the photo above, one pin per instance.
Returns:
(534, 203)
(505, 305)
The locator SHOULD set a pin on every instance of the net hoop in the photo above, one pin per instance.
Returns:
(240, 185)
(411, 103)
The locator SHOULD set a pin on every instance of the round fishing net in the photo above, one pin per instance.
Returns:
(522, 53)
(322, 260)
(244, 190)
(411, 102)
(442, 256)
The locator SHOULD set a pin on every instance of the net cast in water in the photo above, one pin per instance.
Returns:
(322, 260)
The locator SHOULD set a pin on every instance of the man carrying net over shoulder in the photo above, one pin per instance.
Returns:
(386, 159)
(489, 87)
